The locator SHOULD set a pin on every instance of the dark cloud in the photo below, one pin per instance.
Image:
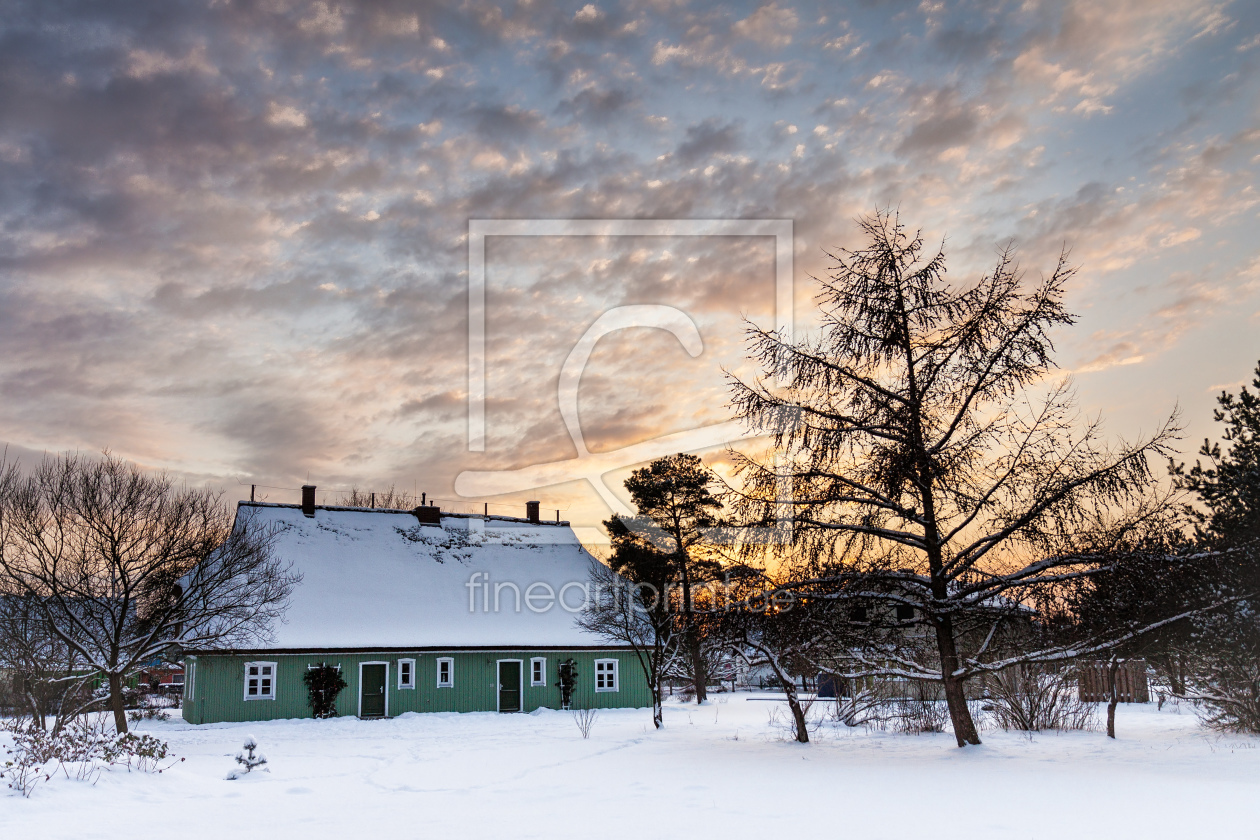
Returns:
(942, 121)
(710, 137)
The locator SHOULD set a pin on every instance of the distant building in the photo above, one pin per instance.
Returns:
(422, 611)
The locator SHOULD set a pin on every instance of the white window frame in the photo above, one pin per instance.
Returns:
(541, 663)
(190, 678)
(616, 675)
(410, 684)
(260, 666)
(450, 672)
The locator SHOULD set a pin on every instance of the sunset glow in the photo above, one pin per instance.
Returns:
(234, 236)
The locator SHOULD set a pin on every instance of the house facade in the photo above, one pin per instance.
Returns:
(420, 611)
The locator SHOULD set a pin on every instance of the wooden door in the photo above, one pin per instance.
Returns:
(372, 691)
(510, 686)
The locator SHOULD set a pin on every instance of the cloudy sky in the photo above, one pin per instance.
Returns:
(234, 235)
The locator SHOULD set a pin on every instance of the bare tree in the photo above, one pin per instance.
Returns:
(45, 676)
(124, 566)
(769, 625)
(924, 465)
(634, 611)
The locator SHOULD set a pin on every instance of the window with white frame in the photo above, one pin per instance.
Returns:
(445, 672)
(260, 681)
(605, 674)
(538, 671)
(406, 673)
(189, 689)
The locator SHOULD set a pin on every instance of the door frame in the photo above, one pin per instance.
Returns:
(498, 682)
(360, 692)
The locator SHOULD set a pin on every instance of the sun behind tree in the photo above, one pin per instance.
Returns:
(921, 463)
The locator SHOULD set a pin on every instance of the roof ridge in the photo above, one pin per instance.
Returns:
(410, 511)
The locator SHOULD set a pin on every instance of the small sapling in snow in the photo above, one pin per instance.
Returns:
(248, 759)
(585, 719)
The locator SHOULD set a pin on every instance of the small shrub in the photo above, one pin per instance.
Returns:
(918, 711)
(1030, 699)
(142, 753)
(1226, 692)
(585, 719)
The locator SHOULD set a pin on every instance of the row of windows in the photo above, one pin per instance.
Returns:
(260, 682)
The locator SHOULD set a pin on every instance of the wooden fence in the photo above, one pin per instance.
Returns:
(1131, 684)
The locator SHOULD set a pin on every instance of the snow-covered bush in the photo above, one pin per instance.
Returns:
(1030, 699)
(248, 759)
(27, 762)
(79, 750)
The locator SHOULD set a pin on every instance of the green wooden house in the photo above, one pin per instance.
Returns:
(422, 611)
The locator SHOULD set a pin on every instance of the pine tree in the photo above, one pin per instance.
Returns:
(248, 759)
(676, 508)
(1222, 655)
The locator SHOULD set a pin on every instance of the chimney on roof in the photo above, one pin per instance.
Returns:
(308, 499)
(531, 511)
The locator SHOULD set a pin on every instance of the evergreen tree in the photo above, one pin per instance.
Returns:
(1229, 483)
(666, 543)
(323, 683)
(1223, 651)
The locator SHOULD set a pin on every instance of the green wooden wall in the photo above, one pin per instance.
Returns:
(218, 684)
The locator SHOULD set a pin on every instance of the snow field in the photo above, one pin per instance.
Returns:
(719, 770)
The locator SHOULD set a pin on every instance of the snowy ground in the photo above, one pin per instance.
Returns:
(721, 770)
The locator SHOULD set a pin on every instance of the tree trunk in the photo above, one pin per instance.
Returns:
(798, 714)
(658, 712)
(116, 703)
(37, 713)
(697, 662)
(1113, 667)
(955, 698)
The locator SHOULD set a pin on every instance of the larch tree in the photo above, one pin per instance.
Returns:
(932, 464)
(123, 566)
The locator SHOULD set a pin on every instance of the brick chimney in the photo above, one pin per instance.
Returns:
(531, 511)
(308, 499)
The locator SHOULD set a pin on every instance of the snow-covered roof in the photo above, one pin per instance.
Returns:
(380, 579)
